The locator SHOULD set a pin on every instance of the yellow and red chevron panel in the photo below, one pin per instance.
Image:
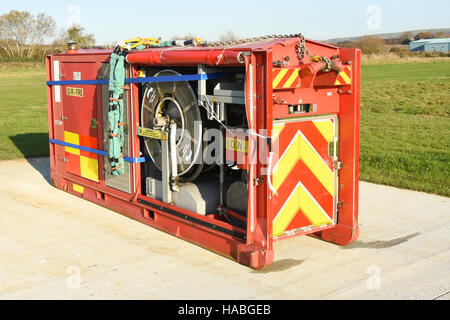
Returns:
(79, 162)
(303, 175)
(285, 78)
(344, 77)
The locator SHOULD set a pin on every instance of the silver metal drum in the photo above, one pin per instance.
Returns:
(176, 100)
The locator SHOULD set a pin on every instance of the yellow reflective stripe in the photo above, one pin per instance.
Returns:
(291, 79)
(316, 164)
(299, 199)
(72, 138)
(300, 148)
(326, 128)
(78, 188)
(279, 77)
(287, 161)
(287, 212)
(345, 77)
(311, 209)
(89, 168)
(276, 130)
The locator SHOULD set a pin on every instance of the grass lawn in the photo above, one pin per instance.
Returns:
(405, 124)
(23, 113)
(406, 151)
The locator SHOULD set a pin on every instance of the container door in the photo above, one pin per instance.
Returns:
(304, 174)
(79, 118)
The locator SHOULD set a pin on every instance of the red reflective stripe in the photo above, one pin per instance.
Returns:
(275, 73)
(284, 139)
(348, 72)
(89, 142)
(296, 82)
(299, 220)
(340, 80)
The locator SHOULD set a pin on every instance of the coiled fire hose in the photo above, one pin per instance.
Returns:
(116, 89)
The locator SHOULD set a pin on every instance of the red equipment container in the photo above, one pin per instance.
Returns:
(304, 108)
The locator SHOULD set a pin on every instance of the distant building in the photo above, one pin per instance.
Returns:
(418, 45)
(430, 45)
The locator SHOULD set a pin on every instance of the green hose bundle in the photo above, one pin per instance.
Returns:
(115, 111)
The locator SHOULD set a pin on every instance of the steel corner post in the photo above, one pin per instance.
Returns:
(347, 228)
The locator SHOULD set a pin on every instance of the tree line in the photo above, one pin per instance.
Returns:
(374, 45)
(22, 36)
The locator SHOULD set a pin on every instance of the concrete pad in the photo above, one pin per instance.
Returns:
(57, 246)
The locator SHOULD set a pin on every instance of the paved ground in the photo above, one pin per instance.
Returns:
(54, 245)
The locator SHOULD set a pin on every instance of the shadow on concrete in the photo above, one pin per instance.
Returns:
(381, 244)
(280, 265)
(34, 147)
(42, 165)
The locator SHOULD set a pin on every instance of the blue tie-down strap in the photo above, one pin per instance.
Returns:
(96, 151)
(186, 77)
(135, 160)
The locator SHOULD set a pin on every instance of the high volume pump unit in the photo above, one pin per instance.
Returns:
(230, 146)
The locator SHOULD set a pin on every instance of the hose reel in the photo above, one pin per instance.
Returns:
(176, 102)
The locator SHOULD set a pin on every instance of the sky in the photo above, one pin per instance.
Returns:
(111, 21)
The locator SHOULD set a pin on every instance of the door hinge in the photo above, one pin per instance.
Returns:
(337, 165)
(259, 180)
(64, 159)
